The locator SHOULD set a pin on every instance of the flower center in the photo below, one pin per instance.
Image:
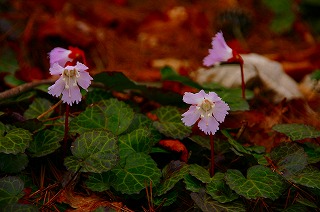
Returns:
(70, 78)
(206, 108)
(206, 105)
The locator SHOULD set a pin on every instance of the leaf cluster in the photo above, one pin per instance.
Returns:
(113, 151)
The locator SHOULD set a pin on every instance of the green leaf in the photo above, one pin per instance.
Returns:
(116, 81)
(192, 183)
(315, 75)
(38, 107)
(139, 170)
(10, 163)
(97, 95)
(140, 140)
(100, 182)
(2, 128)
(112, 115)
(313, 152)
(8, 61)
(233, 97)
(237, 148)
(45, 142)
(11, 190)
(166, 199)
(32, 125)
(309, 177)
(297, 131)
(206, 204)
(12, 80)
(95, 151)
(201, 140)
(200, 173)
(219, 190)
(172, 176)
(26, 96)
(284, 15)
(15, 141)
(306, 202)
(260, 182)
(167, 73)
(289, 158)
(170, 123)
(20, 208)
(296, 207)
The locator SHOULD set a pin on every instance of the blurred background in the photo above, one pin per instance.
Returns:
(138, 37)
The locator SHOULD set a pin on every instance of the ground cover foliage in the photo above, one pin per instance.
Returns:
(127, 148)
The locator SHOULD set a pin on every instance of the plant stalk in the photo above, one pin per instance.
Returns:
(212, 155)
(66, 130)
(243, 84)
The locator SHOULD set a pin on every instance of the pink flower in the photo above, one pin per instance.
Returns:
(60, 55)
(67, 84)
(220, 51)
(208, 107)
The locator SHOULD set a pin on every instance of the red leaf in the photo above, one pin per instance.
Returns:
(176, 146)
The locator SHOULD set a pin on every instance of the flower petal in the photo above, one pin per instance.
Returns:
(84, 80)
(220, 110)
(194, 99)
(213, 97)
(208, 125)
(191, 116)
(220, 51)
(56, 69)
(59, 55)
(57, 88)
(81, 67)
(75, 95)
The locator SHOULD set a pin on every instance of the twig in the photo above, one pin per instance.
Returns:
(23, 88)
(50, 109)
(28, 86)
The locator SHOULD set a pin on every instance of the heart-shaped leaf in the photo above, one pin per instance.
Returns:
(95, 151)
(138, 170)
(96, 95)
(20, 208)
(172, 173)
(207, 204)
(170, 123)
(219, 190)
(289, 158)
(38, 106)
(309, 177)
(10, 163)
(200, 173)
(15, 141)
(45, 142)
(192, 183)
(11, 190)
(111, 115)
(140, 140)
(260, 182)
(297, 131)
(100, 182)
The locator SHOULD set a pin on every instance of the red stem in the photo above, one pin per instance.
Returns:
(66, 129)
(212, 155)
(243, 85)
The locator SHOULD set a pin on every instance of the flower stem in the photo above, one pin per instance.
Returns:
(212, 155)
(243, 85)
(66, 129)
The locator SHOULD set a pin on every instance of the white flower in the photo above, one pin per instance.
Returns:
(208, 107)
(67, 84)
